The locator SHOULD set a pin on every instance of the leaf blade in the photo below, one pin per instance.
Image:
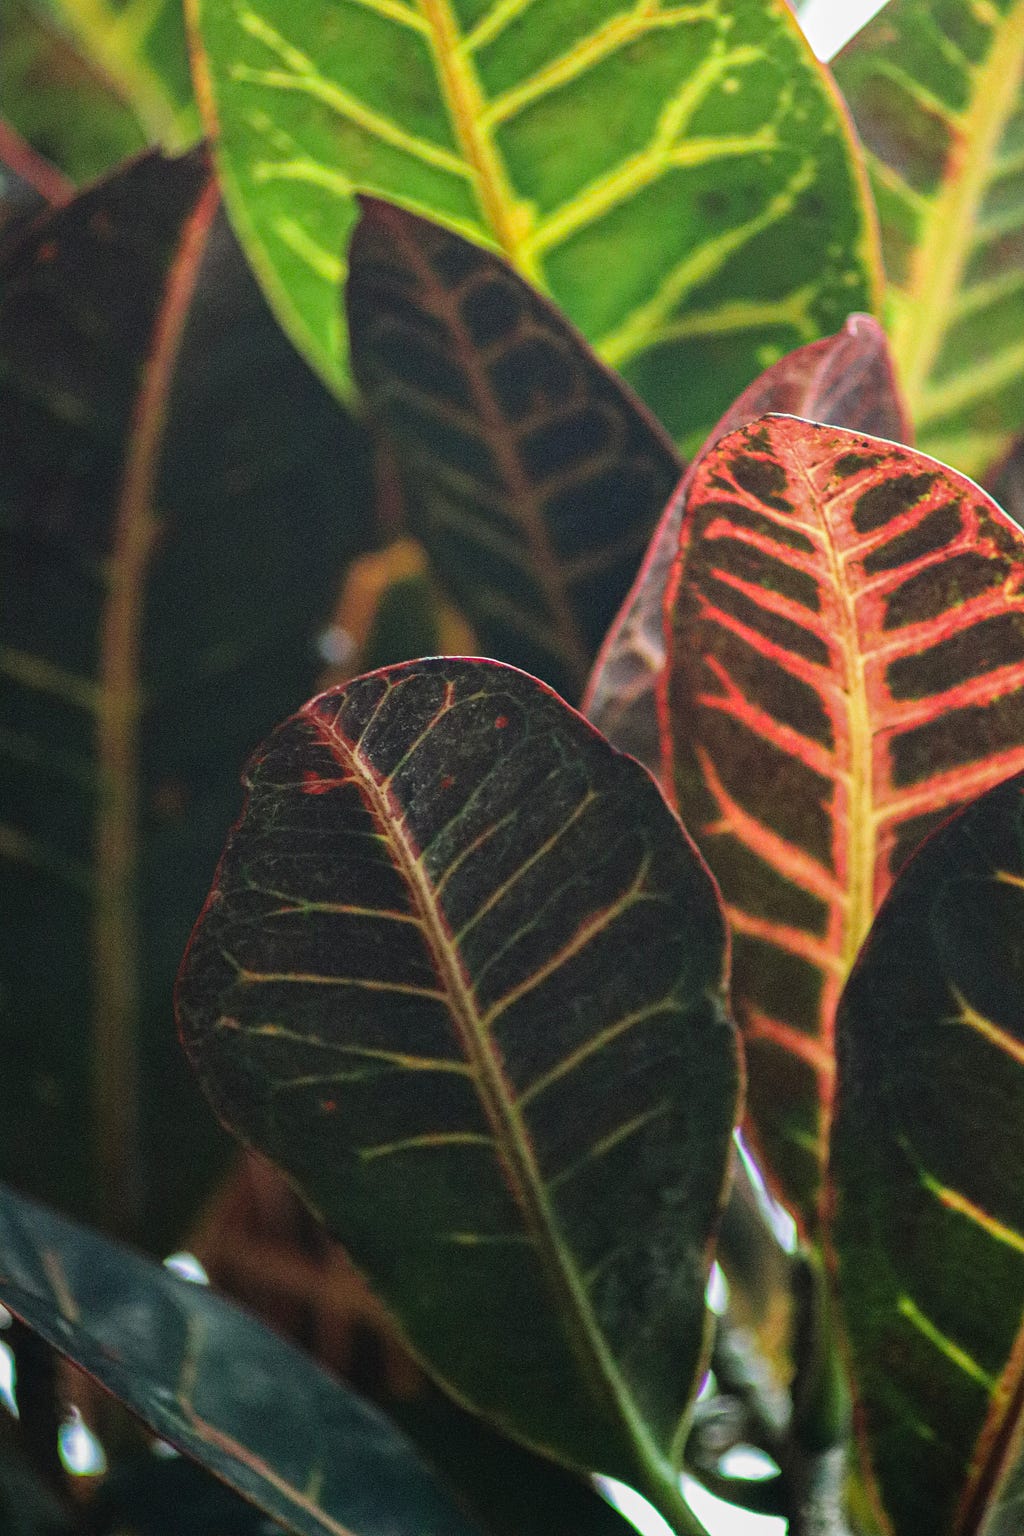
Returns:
(474, 118)
(215, 1383)
(846, 380)
(120, 640)
(844, 671)
(536, 476)
(937, 99)
(934, 999)
(473, 1178)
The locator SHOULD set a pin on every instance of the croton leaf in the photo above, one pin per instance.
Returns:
(218, 1385)
(461, 976)
(847, 380)
(679, 177)
(142, 50)
(928, 1173)
(537, 476)
(846, 667)
(174, 489)
(937, 93)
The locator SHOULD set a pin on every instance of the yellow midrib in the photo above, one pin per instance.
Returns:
(502, 1114)
(508, 220)
(941, 257)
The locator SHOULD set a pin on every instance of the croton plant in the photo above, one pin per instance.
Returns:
(634, 987)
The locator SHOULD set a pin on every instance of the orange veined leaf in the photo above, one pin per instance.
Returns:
(845, 669)
(846, 379)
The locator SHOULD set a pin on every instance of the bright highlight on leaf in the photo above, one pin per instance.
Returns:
(461, 975)
(678, 176)
(846, 667)
(928, 1174)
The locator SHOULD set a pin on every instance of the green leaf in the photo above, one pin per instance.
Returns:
(217, 1384)
(140, 46)
(928, 1173)
(937, 94)
(678, 177)
(846, 380)
(177, 493)
(845, 669)
(57, 100)
(537, 477)
(461, 976)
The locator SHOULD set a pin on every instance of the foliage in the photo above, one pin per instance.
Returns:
(529, 1027)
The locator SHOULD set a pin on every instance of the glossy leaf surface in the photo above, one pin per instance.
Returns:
(676, 176)
(142, 50)
(536, 478)
(928, 1168)
(461, 976)
(217, 1384)
(174, 489)
(937, 93)
(846, 380)
(846, 668)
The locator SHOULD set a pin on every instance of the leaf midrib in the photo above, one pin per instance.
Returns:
(511, 1144)
(524, 508)
(941, 257)
(860, 829)
(466, 103)
(116, 939)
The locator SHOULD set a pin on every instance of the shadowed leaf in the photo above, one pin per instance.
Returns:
(937, 93)
(928, 1172)
(461, 975)
(846, 380)
(536, 477)
(174, 491)
(217, 1384)
(678, 177)
(846, 668)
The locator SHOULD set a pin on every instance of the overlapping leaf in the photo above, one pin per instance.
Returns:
(140, 46)
(60, 103)
(461, 975)
(846, 380)
(218, 1385)
(174, 485)
(679, 177)
(846, 667)
(537, 477)
(937, 93)
(928, 1169)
